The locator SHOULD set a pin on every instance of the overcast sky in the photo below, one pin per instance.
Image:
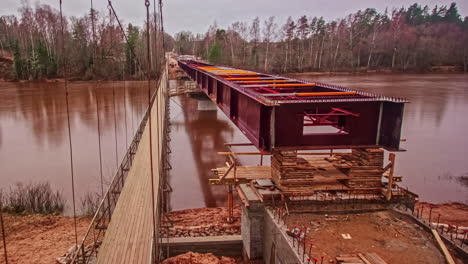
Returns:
(198, 15)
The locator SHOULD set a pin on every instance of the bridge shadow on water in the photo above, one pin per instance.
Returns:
(198, 132)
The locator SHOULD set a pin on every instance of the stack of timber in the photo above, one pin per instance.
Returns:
(240, 174)
(365, 169)
(359, 172)
(295, 175)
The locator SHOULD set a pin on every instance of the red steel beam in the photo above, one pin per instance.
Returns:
(269, 117)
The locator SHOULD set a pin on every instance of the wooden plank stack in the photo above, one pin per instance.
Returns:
(366, 173)
(359, 172)
(298, 176)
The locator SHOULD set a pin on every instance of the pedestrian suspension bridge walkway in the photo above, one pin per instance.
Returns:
(133, 199)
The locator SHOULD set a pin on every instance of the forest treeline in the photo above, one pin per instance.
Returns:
(417, 38)
(95, 47)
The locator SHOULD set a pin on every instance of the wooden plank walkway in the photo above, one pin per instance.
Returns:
(128, 238)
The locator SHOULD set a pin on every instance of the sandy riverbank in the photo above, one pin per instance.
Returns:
(40, 239)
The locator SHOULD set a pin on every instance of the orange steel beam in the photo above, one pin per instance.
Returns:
(247, 73)
(325, 93)
(223, 71)
(291, 85)
(239, 79)
(209, 67)
(268, 81)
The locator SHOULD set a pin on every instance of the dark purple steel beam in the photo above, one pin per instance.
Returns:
(271, 122)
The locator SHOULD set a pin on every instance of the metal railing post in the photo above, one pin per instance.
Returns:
(109, 206)
(83, 252)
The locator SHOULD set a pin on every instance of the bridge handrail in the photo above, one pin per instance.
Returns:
(84, 251)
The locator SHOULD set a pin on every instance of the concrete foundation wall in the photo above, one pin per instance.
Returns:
(252, 225)
(229, 246)
(337, 206)
(277, 247)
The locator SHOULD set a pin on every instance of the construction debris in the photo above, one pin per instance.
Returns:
(366, 258)
(201, 222)
(196, 258)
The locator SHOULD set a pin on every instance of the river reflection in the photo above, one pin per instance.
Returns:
(435, 125)
(34, 131)
(196, 137)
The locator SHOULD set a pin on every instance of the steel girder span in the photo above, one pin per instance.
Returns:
(283, 113)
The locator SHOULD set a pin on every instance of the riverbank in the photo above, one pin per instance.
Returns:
(370, 72)
(40, 239)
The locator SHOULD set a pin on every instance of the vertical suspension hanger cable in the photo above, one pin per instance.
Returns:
(64, 66)
(148, 49)
(111, 26)
(99, 142)
(125, 111)
(155, 20)
(162, 29)
(132, 112)
(115, 128)
(97, 101)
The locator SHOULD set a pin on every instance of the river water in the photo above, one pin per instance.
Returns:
(435, 125)
(34, 144)
(34, 135)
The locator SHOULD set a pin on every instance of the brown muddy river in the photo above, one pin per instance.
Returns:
(34, 135)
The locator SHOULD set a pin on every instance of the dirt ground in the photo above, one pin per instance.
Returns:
(395, 237)
(39, 239)
(203, 222)
(196, 258)
(450, 213)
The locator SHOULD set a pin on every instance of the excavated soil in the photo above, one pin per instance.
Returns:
(202, 222)
(393, 236)
(40, 239)
(450, 213)
(196, 258)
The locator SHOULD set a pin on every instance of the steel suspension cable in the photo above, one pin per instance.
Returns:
(68, 120)
(153, 209)
(162, 27)
(155, 18)
(99, 142)
(125, 112)
(123, 33)
(111, 24)
(132, 114)
(97, 102)
(115, 129)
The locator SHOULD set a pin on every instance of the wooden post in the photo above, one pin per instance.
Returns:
(430, 215)
(230, 205)
(391, 158)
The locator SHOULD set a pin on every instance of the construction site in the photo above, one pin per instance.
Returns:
(323, 189)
